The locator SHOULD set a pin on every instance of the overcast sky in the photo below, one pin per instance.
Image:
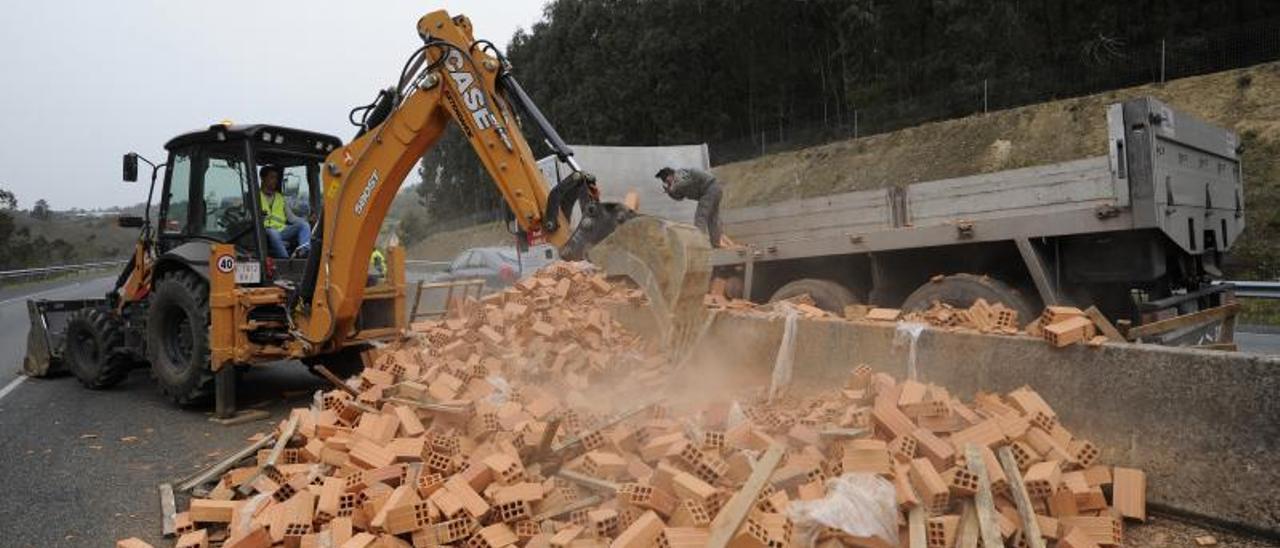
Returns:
(82, 82)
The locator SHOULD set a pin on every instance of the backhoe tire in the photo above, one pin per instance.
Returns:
(962, 290)
(95, 351)
(178, 337)
(826, 294)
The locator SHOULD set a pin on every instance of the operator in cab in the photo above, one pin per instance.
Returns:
(284, 229)
(695, 184)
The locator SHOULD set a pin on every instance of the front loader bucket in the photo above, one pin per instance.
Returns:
(669, 261)
(45, 342)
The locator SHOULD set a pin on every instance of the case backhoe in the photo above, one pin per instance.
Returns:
(202, 297)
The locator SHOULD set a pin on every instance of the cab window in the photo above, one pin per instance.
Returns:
(178, 200)
(225, 185)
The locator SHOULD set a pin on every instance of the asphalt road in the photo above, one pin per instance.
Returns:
(80, 467)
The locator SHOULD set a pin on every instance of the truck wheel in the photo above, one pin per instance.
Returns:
(178, 337)
(962, 290)
(95, 351)
(826, 294)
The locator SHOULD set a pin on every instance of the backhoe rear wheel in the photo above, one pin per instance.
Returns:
(95, 351)
(178, 337)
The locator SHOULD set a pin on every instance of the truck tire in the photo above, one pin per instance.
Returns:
(95, 351)
(962, 290)
(826, 294)
(178, 337)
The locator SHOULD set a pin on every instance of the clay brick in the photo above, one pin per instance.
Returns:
(687, 485)
(182, 523)
(497, 535)
(1103, 530)
(371, 455)
(929, 446)
(132, 542)
(1076, 537)
(882, 314)
(1129, 493)
(604, 464)
(1097, 475)
(940, 532)
(683, 537)
(474, 504)
(933, 491)
(565, 537)
(961, 481)
(212, 511)
(543, 329)
(1043, 478)
(195, 539)
(888, 418)
(642, 533)
(258, 537)
(656, 498)
(903, 448)
(1069, 331)
(1062, 503)
(985, 434)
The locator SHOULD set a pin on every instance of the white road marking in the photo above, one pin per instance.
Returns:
(39, 293)
(12, 385)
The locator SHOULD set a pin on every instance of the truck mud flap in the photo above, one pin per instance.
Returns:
(45, 340)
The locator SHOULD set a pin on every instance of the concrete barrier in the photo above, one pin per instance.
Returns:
(1205, 426)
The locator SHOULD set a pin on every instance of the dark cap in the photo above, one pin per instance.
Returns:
(662, 173)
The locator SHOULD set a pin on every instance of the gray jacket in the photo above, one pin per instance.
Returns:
(690, 184)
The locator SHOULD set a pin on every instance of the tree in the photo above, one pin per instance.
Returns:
(41, 210)
(8, 200)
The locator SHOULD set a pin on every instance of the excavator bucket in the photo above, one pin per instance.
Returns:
(669, 261)
(45, 339)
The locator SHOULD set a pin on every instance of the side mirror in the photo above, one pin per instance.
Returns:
(129, 221)
(131, 168)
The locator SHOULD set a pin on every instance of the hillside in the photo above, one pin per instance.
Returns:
(1245, 100)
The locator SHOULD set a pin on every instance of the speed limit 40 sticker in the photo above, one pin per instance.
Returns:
(226, 264)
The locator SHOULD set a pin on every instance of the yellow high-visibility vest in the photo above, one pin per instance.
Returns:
(378, 262)
(273, 215)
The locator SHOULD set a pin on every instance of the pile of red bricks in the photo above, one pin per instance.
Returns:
(488, 429)
(981, 316)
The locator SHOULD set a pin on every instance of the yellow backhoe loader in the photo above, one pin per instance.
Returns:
(206, 294)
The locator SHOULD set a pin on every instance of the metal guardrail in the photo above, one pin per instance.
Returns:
(1255, 290)
(26, 273)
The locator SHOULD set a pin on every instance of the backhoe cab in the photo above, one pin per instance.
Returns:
(203, 280)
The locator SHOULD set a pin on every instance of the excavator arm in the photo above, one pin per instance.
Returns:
(455, 79)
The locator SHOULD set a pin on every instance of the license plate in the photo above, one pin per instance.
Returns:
(248, 272)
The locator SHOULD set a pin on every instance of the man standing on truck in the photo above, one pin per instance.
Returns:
(695, 184)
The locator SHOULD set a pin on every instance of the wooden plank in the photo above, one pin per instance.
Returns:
(290, 428)
(734, 512)
(1030, 526)
(168, 509)
(1104, 325)
(212, 472)
(968, 534)
(984, 503)
(1185, 320)
(584, 503)
(916, 534)
(1228, 347)
(589, 481)
(335, 381)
